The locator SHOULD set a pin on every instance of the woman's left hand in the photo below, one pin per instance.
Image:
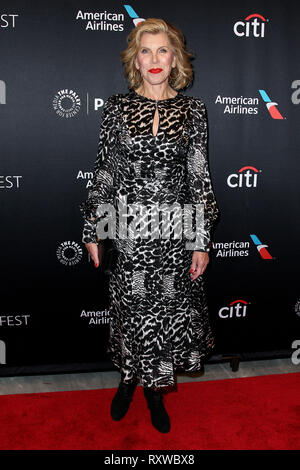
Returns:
(199, 262)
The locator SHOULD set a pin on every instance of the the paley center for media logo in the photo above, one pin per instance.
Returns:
(69, 253)
(67, 103)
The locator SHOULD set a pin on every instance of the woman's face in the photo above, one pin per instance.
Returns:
(155, 58)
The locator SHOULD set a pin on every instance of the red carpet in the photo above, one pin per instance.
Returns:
(246, 413)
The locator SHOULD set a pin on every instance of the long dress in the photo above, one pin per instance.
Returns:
(159, 321)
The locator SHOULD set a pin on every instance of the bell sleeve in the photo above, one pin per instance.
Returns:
(104, 176)
(198, 177)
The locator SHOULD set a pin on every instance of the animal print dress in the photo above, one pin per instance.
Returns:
(159, 320)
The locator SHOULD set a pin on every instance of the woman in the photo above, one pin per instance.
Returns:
(152, 151)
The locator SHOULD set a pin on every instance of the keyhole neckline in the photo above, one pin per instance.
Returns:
(152, 100)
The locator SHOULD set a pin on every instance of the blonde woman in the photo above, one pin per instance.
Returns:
(153, 152)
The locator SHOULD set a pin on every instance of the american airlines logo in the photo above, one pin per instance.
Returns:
(261, 247)
(248, 105)
(238, 104)
(101, 20)
(271, 105)
(133, 15)
(241, 248)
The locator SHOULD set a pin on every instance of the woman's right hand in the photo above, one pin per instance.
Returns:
(93, 251)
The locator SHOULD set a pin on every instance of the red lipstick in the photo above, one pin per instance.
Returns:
(155, 70)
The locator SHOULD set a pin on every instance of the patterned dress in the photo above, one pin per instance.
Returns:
(159, 320)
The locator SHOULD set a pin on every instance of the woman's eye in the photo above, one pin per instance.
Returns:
(145, 50)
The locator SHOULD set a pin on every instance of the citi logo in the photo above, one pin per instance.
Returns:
(253, 25)
(246, 177)
(271, 105)
(135, 17)
(261, 248)
(236, 309)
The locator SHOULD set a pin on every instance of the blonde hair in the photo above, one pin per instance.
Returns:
(181, 75)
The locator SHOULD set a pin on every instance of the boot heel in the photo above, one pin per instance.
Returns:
(121, 401)
(159, 417)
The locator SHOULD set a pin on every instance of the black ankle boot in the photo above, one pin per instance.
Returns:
(159, 417)
(121, 401)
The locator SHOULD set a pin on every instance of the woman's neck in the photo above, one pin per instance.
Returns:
(156, 92)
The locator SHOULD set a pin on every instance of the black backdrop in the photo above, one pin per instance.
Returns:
(59, 63)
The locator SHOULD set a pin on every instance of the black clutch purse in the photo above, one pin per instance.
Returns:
(108, 256)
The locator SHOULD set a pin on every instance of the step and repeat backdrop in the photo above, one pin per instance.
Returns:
(60, 61)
